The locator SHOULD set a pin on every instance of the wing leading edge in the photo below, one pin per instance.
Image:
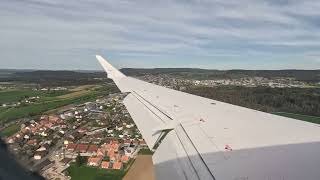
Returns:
(200, 138)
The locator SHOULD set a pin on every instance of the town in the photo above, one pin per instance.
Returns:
(174, 82)
(97, 134)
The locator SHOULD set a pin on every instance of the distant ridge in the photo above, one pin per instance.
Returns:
(303, 75)
(31, 70)
(193, 73)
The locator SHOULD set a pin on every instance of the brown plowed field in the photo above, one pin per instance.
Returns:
(141, 169)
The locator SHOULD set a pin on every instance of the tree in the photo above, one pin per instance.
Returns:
(80, 160)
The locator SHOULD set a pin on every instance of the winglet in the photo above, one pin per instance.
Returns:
(112, 72)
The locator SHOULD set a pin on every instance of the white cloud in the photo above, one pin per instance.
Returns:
(143, 28)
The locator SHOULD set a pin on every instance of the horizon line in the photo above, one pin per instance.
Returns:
(98, 70)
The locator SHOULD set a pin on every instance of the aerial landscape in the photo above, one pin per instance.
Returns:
(56, 122)
(60, 117)
(159, 90)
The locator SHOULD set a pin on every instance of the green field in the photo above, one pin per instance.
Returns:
(49, 101)
(17, 95)
(313, 119)
(92, 173)
(145, 152)
(43, 106)
(10, 130)
(2, 109)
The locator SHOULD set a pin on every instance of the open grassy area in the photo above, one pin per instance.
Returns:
(92, 173)
(312, 119)
(74, 94)
(49, 102)
(2, 109)
(10, 130)
(78, 91)
(145, 152)
(17, 95)
(42, 106)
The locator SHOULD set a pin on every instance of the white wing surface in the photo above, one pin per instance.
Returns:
(199, 138)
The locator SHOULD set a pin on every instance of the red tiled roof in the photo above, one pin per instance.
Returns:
(71, 146)
(32, 142)
(124, 158)
(101, 152)
(93, 148)
(110, 153)
(48, 125)
(34, 129)
(106, 147)
(82, 147)
(94, 160)
(113, 141)
(115, 147)
(117, 165)
(54, 119)
(114, 157)
(105, 165)
(43, 122)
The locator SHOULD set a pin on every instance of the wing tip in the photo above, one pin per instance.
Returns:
(100, 58)
(112, 72)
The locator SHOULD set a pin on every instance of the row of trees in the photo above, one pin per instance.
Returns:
(57, 78)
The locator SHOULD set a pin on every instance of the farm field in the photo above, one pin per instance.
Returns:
(49, 101)
(141, 169)
(38, 108)
(10, 130)
(16, 95)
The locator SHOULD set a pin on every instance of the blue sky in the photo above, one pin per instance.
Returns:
(213, 34)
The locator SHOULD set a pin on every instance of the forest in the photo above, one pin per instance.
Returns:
(293, 100)
(55, 78)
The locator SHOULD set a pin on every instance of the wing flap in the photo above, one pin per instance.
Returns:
(171, 161)
(145, 120)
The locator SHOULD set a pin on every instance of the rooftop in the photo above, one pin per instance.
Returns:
(71, 146)
(117, 165)
(82, 147)
(94, 160)
(93, 148)
(105, 164)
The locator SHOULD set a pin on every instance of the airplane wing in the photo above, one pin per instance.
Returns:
(199, 138)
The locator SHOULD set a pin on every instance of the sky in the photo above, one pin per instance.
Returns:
(211, 34)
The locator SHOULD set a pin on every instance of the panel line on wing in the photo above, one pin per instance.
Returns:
(196, 159)
(152, 111)
(161, 111)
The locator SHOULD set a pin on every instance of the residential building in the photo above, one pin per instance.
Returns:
(71, 147)
(94, 161)
(125, 159)
(105, 165)
(82, 148)
(117, 165)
